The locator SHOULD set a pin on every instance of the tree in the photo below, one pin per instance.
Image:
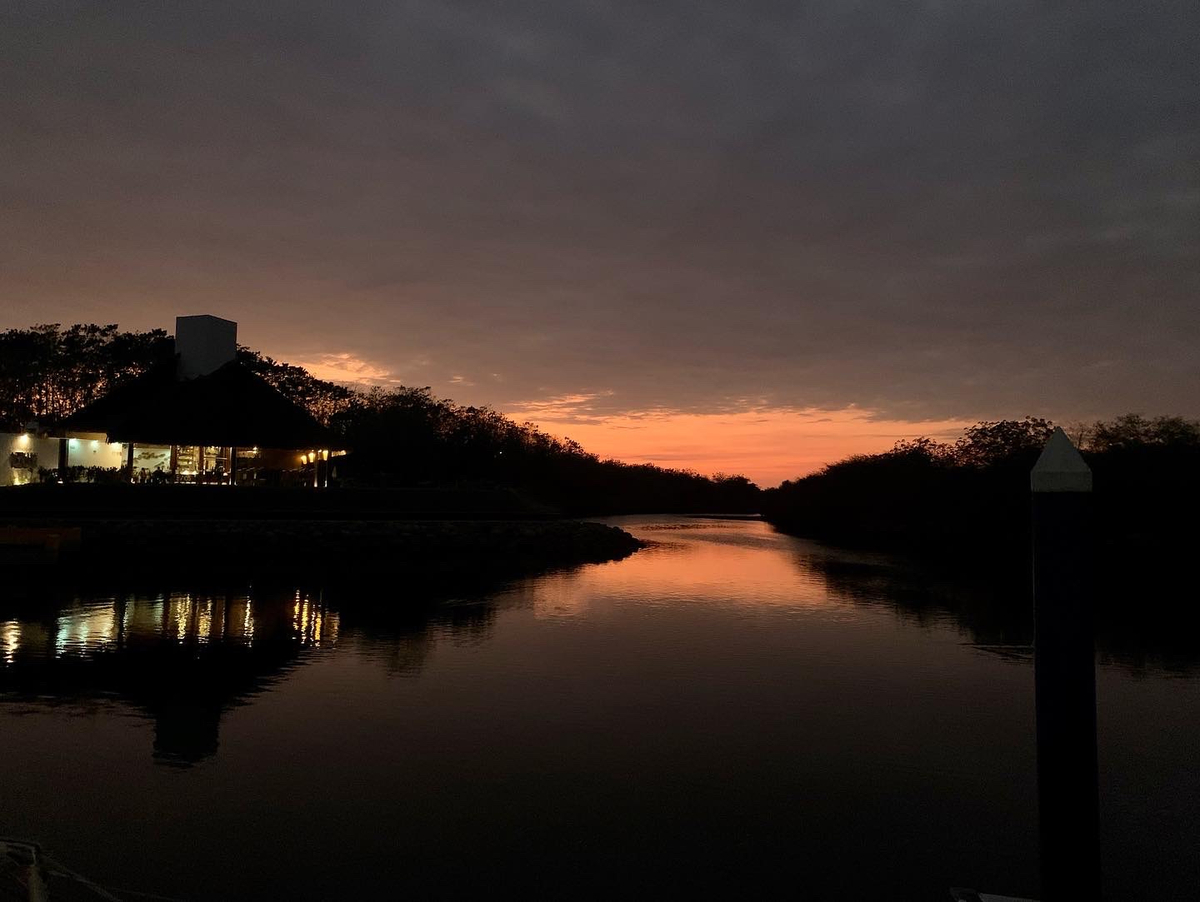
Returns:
(325, 401)
(991, 443)
(924, 450)
(1133, 431)
(47, 373)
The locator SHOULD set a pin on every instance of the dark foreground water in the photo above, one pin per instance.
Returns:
(729, 712)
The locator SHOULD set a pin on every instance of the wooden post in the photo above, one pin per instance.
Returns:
(1065, 673)
(233, 468)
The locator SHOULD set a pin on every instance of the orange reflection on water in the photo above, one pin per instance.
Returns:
(705, 561)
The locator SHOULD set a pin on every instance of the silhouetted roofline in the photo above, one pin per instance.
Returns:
(231, 407)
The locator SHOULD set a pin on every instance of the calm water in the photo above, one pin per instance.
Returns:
(728, 711)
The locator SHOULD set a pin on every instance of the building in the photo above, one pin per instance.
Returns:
(203, 418)
(21, 454)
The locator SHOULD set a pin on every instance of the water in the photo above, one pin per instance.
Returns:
(728, 711)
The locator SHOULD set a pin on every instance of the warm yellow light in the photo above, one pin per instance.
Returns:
(10, 641)
(23, 440)
(325, 455)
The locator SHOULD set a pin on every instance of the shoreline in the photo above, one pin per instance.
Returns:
(307, 548)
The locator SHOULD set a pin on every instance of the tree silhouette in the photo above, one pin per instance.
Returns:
(975, 493)
(47, 372)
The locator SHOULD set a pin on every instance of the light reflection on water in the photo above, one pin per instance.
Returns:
(10, 639)
(727, 712)
(93, 626)
(179, 659)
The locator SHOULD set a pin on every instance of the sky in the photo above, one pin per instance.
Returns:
(750, 237)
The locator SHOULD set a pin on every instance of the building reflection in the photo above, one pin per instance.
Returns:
(401, 626)
(183, 659)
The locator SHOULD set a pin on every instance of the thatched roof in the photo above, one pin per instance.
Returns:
(229, 407)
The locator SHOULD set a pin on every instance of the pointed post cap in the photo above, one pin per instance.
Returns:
(1061, 467)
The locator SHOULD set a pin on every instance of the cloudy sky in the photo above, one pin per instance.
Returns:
(739, 236)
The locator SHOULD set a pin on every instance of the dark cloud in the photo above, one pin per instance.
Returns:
(930, 209)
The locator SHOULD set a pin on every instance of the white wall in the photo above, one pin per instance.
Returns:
(90, 452)
(44, 449)
(152, 457)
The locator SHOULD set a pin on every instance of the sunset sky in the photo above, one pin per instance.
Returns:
(749, 237)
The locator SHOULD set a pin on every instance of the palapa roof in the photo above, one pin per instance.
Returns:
(230, 406)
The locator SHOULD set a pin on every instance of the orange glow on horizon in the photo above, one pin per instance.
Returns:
(766, 445)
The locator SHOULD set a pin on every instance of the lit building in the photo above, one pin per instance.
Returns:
(205, 418)
(22, 453)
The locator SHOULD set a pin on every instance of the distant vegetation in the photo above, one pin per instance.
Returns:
(398, 437)
(48, 372)
(970, 493)
(973, 494)
(406, 434)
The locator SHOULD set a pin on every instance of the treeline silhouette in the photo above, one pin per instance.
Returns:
(397, 437)
(48, 372)
(973, 494)
(406, 436)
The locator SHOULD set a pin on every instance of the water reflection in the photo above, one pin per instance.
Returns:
(995, 611)
(727, 712)
(10, 639)
(735, 564)
(182, 659)
(401, 627)
(1143, 622)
